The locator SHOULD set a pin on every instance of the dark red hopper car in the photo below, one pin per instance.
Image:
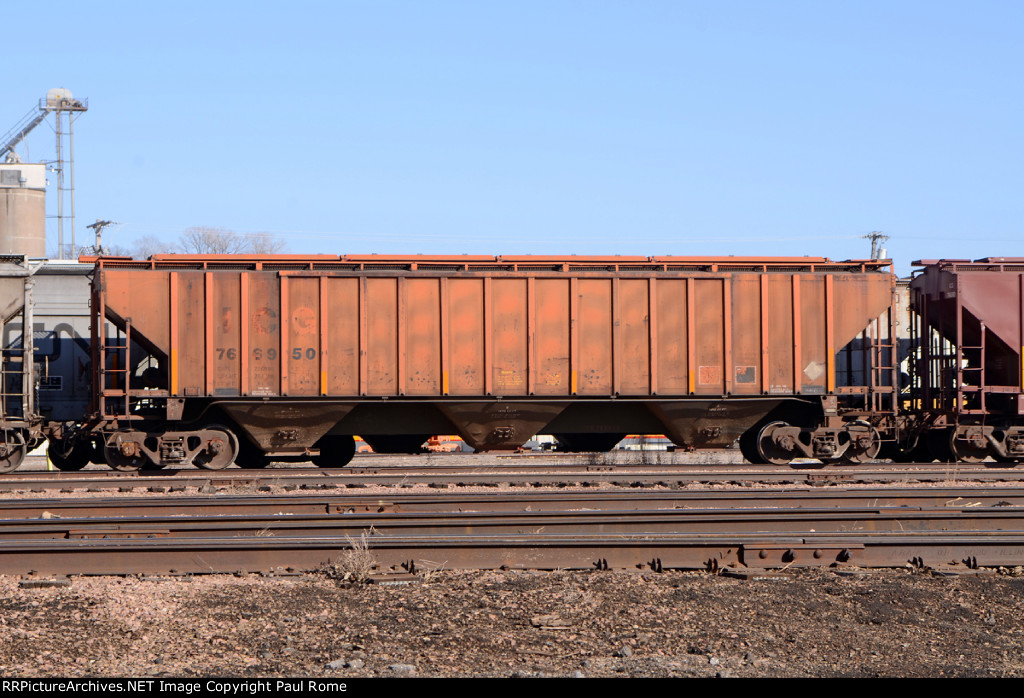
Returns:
(967, 374)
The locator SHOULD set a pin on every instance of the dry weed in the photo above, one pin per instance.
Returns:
(354, 564)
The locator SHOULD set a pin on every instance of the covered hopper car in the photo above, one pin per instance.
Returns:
(968, 376)
(214, 360)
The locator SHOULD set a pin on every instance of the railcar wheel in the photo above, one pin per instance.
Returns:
(76, 458)
(335, 451)
(221, 448)
(123, 453)
(773, 447)
(12, 450)
(864, 443)
(748, 446)
(966, 450)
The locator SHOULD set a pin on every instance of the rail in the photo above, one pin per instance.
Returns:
(951, 538)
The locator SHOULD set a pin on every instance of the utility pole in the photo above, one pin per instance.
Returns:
(875, 237)
(98, 226)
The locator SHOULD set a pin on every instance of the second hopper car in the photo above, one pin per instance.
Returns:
(967, 370)
(212, 360)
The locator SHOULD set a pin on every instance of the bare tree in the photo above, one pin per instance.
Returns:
(196, 240)
(265, 243)
(209, 240)
(149, 245)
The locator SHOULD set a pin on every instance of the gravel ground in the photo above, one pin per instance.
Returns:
(554, 624)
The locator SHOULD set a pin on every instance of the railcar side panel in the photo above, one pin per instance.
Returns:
(633, 339)
(225, 331)
(422, 327)
(465, 329)
(780, 333)
(736, 334)
(551, 336)
(699, 336)
(190, 311)
(746, 325)
(594, 370)
(381, 321)
(341, 361)
(304, 354)
(505, 342)
(671, 349)
(262, 350)
(813, 369)
(709, 335)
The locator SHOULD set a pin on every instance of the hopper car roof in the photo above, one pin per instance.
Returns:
(513, 263)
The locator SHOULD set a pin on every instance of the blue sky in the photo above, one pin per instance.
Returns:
(696, 128)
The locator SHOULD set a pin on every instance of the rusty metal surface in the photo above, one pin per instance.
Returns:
(976, 306)
(969, 375)
(508, 331)
(462, 332)
(950, 498)
(644, 553)
(428, 525)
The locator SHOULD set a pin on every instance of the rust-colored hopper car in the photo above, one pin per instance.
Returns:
(212, 359)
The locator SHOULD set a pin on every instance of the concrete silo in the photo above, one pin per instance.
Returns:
(22, 208)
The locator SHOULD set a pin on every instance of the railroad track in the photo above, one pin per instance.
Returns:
(517, 471)
(545, 500)
(950, 529)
